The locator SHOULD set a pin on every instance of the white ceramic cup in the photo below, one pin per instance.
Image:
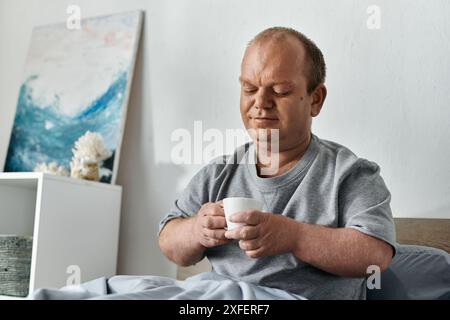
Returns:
(233, 205)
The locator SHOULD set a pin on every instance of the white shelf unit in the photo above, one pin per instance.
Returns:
(73, 223)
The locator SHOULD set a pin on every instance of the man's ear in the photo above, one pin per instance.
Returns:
(318, 98)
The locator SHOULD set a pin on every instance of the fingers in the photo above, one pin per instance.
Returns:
(214, 222)
(251, 217)
(212, 209)
(216, 242)
(209, 243)
(212, 238)
(249, 245)
(254, 253)
(218, 234)
(211, 224)
(243, 233)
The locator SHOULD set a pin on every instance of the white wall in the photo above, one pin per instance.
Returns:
(388, 93)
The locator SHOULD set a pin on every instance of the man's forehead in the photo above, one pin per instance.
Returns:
(268, 49)
(279, 60)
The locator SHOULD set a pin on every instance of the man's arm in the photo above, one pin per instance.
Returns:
(178, 243)
(184, 240)
(342, 251)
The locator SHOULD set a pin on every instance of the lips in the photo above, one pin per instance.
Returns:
(264, 122)
(263, 117)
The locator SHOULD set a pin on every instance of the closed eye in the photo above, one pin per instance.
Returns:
(282, 94)
(249, 89)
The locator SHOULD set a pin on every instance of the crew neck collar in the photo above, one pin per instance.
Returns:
(296, 171)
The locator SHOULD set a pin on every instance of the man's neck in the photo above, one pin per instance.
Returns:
(286, 158)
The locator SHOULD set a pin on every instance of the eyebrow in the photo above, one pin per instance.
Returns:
(274, 83)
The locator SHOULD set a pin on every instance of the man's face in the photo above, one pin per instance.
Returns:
(274, 91)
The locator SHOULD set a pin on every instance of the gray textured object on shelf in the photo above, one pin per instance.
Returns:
(15, 265)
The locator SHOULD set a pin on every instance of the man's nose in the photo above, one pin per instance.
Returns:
(263, 101)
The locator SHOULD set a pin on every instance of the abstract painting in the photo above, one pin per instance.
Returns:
(76, 80)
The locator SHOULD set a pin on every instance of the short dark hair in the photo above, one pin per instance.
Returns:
(317, 68)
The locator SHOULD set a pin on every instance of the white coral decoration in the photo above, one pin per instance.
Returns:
(52, 168)
(88, 153)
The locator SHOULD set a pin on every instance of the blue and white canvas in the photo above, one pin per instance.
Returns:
(75, 81)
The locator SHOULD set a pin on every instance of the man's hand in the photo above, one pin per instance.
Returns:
(264, 234)
(209, 226)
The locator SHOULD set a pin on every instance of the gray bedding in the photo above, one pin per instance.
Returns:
(204, 286)
(416, 272)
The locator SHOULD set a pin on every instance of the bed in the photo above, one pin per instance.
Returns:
(426, 232)
(420, 270)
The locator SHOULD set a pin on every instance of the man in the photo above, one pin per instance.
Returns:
(326, 215)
